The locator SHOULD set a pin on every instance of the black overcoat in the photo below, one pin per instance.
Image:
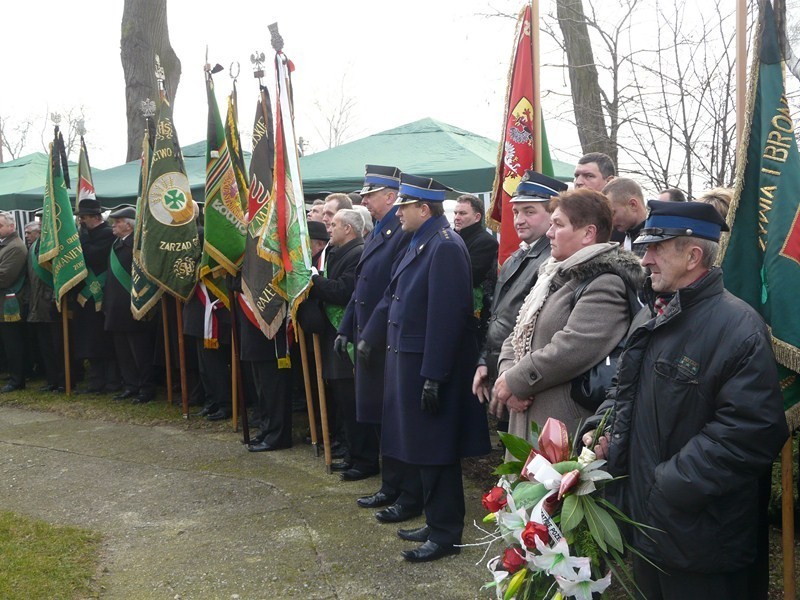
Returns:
(89, 335)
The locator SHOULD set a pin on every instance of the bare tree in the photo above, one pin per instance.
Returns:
(145, 34)
(337, 116)
(13, 138)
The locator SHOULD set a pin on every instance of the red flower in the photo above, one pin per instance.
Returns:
(533, 531)
(495, 499)
(513, 560)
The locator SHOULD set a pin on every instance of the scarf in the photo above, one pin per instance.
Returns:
(531, 307)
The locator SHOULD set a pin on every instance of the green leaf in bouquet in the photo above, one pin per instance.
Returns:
(566, 466)
(535, 430)
(528, 494)
(571, 513)
(513, 467)
(621, 516)
(601, 524)
(517, 447)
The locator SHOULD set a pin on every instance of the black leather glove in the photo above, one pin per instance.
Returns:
(364, 351)
(340, 347)
(430, 397)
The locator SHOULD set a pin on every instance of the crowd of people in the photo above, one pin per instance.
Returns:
(422, 337)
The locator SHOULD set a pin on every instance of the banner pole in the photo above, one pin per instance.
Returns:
(167, 350)
(312, 419)
(65, 335)
(537, 104)
(182, 358)
(237, 387)
(323, 404)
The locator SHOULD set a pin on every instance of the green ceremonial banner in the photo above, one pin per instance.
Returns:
(60, 249)
(235, 148)
(284, 241)
(267, 306)
(170, 245)
(761, 258)
(225, 224)
(145, 293)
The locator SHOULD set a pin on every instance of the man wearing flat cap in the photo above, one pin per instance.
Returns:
(133, 340)
(697, 417)
(91, 340)
(530, 206)
(425, 327)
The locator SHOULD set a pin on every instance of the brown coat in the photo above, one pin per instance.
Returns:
(569, 341)
(13, 260)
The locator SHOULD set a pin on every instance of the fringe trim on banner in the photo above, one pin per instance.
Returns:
(498, 173)
(741, 150)
(793, 418)
(786, 354)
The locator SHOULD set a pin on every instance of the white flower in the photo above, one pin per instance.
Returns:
(556, 560)
(586, 457)
(582, 587)
(590, 473)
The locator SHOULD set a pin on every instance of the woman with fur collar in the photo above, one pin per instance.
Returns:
(557, 338)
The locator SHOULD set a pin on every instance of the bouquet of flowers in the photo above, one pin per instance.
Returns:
(558, 534)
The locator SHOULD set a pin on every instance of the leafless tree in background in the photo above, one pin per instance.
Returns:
(13, 137)
(337, 116)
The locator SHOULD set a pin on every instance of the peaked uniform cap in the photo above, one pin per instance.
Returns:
(668, 220)
(535, 187)
(379, 177)
(415, 189)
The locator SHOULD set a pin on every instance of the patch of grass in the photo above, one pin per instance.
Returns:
(46, 561)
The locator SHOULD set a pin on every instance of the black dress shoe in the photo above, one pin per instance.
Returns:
(142, 399)
(377, 500)
(256, 440)
(396, 513)
(359, 473)
(220, 415)
(415, 535)
(125, 395)
(341, 466)
(429, 551)
(263, 447)
(9, 387)
(48, 388)
(207, 410)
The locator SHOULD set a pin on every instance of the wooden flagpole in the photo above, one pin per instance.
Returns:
(167, 349)
(182, 358)
(537, 104)
(312, 419)
(237, 388)
(323, 403)
(65, 335)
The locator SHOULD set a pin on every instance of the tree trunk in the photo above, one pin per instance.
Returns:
(584, 84)
(145, 34)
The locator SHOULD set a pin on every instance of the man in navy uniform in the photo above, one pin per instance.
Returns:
(381, 250)
(424, 322)
(530, 205)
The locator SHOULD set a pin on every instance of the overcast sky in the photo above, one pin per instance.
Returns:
(400, 61)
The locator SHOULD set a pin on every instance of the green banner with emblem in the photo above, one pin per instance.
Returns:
(60, 249)
(170, 245)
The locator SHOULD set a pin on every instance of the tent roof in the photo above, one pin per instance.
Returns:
(453, 156)
(26, 173)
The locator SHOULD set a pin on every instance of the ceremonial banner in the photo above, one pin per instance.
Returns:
(60, 247)
(145, 293)
(265, 307)
(284, 242)
(761, 258)
(235, 148)
(225, 224)
(516, 153)
(85, 183)
(170, 248)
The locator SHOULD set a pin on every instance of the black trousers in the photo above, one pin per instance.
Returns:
(362, 441)
(134, 352)
(272, 409)
(682, 585)
(401, 479)
(12, 336)
(51, 350)
(443, 502)
(215, 375)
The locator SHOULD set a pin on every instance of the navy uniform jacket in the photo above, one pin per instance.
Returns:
(373, 273)
(428, 332)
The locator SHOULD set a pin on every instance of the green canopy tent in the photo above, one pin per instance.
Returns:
(455, 157)
(22, 181)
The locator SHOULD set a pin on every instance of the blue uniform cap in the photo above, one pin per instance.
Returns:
(668, 220)
(414, 189)
(535, 187)
(378, 177)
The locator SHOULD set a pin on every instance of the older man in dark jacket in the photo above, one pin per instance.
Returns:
(697, 417)
(13, 258)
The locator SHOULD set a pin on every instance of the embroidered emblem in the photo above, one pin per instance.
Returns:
(688, 365)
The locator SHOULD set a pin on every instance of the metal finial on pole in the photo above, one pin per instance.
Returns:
(148, 108)
(235, 75)
(55, 117)
(257, 59)
(160, 77)
(276, 39)
(80, 127)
